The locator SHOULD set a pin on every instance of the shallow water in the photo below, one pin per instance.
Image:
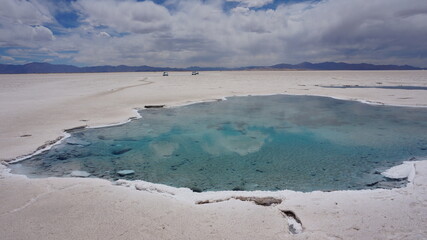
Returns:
(302, 143)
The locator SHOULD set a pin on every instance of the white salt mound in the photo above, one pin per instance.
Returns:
(405, 170)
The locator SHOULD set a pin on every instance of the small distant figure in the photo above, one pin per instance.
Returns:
(195, 73)
(165, 74)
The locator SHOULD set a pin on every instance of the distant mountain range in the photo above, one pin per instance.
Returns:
(338, 66)
(54, 68)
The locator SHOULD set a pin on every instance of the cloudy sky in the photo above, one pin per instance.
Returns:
(226, 33)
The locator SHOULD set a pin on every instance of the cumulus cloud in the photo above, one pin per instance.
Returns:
(22, 23)
(24, 12)
(252, 3)
(194, 32)
(125, 16)
(25, 35)
(41, 33)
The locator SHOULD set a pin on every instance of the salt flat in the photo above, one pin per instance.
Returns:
(37, 108)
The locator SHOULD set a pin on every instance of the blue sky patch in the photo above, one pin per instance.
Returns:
(68, 19)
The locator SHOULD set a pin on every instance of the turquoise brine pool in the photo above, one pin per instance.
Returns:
(278, 142)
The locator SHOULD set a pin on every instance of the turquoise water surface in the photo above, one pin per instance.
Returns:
(302, 143)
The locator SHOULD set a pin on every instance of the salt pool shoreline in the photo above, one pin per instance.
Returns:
(327, 186)
(70, 208)
(137, 115)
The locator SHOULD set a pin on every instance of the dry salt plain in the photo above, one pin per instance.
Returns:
(36, 109)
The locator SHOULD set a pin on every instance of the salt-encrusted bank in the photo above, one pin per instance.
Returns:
(247, 143)
(81, 208)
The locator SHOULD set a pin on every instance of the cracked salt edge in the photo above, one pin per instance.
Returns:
(66, 135)
(182, 193)
(405, 170)
(135, 110)
(57, 141)
(187, 195)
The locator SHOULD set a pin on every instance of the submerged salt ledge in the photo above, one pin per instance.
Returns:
(405, 170)
(77, 173)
